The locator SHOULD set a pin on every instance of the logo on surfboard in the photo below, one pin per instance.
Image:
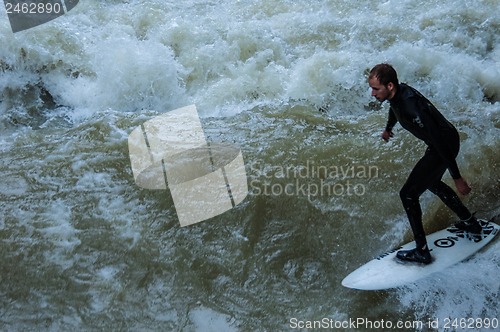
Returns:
(461, 234)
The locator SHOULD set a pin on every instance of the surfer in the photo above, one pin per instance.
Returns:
(418, 115)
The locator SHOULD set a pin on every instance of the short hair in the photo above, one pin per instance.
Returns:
(385, 74)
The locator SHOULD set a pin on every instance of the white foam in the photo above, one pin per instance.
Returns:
(468, 289)
(236, 56)
(207, 320)
(13, 186)
(57, 229)
(129, 75)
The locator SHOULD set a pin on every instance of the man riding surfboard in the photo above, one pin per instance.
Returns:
(420, 117)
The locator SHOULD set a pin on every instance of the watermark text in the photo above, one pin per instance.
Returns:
(311, 180)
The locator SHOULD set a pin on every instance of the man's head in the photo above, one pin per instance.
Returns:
(383, 80)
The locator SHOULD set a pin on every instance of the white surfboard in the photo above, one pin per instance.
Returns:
(448, 246)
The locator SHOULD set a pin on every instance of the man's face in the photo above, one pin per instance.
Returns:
(380, 91)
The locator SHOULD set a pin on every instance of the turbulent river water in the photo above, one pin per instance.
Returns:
(84, 248)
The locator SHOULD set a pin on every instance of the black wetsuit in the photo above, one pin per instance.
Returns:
(417, 115)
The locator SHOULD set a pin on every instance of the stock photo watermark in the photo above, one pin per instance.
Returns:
(170, 151)
(205, 179)
(310, 179)
(27, 14)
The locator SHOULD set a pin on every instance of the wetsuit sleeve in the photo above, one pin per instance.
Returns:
(452, 165)
(454, 171)
(391, 120)
(435, 136)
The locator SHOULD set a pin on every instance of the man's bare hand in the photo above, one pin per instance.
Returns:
(386, 135)
(462, 186)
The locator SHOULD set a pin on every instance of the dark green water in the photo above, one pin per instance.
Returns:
(84, 248)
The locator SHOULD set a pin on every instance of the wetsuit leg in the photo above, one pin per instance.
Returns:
(451, 199)
(426, 173)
